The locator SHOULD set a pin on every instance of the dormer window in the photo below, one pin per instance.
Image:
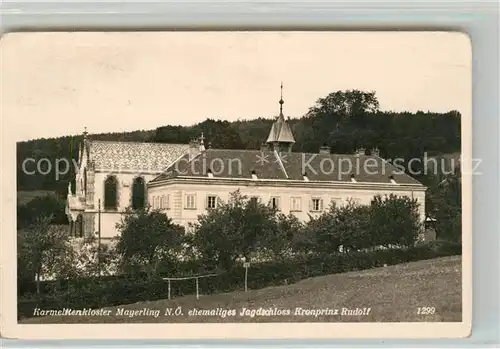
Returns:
(254, 175)
(353, 179)
(304, 176)
(210, 174)
(391, 178)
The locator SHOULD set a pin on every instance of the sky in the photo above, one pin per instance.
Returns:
(54, 84)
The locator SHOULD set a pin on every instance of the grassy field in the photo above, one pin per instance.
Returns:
(392, 294)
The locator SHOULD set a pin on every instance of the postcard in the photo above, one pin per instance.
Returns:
(201, 185)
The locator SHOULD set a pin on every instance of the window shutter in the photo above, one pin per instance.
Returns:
(321, 204)
(206, 201)
(311, 204)
(278, 204)
(219, 201)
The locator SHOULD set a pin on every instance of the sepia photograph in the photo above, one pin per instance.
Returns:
(238, 177)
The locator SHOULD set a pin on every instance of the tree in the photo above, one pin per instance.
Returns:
(220, 134)
(444, 204)
(90, 260)
(237, 228)
(44, 250)
(346, 104)
(343, 228)
(389, 221)
(148, 237)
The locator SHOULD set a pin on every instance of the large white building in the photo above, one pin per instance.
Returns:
(186, 180)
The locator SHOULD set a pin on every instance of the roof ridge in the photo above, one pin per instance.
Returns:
(293, 152)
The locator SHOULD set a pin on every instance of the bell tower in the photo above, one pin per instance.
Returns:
(281, 137)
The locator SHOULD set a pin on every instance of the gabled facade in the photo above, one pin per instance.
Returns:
(112, 176)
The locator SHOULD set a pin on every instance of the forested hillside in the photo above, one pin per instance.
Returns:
(344, 120)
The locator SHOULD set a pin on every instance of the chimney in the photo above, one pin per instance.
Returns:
(194, 148)
(264, 147)
(360, 151)
(324, 149)
(375, 152)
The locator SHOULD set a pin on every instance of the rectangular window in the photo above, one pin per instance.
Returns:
(316, 204)
(211, 201)
(190, 201)
(165, 202)
(295, 204)
(275, 203)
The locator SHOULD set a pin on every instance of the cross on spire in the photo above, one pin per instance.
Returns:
(85, 133)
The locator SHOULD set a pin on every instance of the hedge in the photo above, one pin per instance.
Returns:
(118, 290)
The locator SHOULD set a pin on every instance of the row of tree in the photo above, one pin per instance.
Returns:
(343, 119)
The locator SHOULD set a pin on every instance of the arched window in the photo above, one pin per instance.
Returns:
(138, 193)
(110, 193)
(79, 226)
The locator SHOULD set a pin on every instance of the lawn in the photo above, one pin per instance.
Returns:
(392, 294)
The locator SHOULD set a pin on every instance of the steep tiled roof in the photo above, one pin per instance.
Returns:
(133, 156)
(266, 165)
